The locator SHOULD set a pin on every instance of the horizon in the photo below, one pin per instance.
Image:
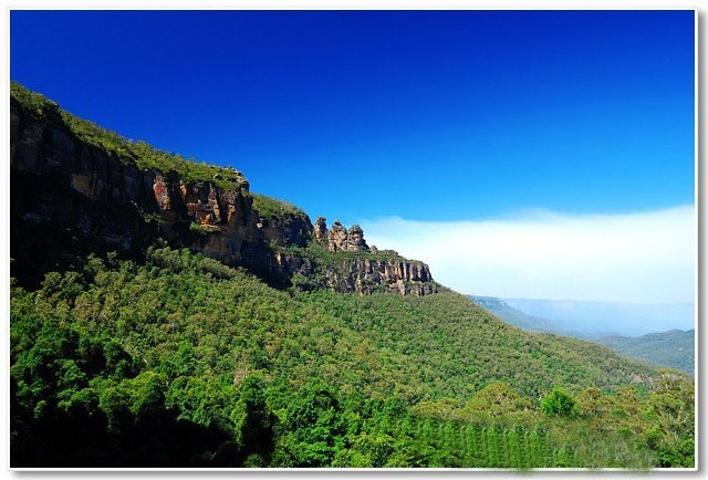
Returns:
(463, 119)
(570, 300)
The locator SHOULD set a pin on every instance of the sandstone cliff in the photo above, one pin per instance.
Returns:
(78, 189)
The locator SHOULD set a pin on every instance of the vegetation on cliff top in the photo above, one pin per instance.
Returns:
(137, 153)
(144, 156)
(273, 207)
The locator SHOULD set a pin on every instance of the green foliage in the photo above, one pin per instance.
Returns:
(203, 229)
(182, 361)
(272, 207)
(671, 407)
(255, 423)
(38, 105)
(558, 403)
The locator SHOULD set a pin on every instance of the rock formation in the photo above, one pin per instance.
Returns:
(355, 240)
(367, 275)
(338, 238)
(321, 233)
(71, 197)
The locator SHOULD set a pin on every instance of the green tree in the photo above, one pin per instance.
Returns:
(558, 403)
(314, 430)
(256, 422)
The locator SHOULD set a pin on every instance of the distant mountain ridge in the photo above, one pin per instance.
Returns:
(673, 348)
(602, 319)
(519, 319)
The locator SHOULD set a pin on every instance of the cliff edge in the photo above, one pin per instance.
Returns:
(77, 189)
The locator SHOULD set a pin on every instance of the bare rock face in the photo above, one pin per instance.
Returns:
(72, 197)
(367, 274)
(321, 233)
(404, 277)
(337, 241)
(286, 229)
(338, 238)
(355, 240)
(162, 197)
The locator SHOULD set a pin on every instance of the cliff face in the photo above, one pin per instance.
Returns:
(71, 197)
(404, 277)
(370, 270)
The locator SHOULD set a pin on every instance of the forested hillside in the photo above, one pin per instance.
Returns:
(182, 361)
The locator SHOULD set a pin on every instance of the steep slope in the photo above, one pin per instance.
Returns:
(674, 349)
(77, 188)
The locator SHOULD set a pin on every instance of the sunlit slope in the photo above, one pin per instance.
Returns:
(227, 321)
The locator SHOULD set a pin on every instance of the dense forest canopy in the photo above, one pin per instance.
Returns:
(182, 361)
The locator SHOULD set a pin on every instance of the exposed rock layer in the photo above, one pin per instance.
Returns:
(367, 275)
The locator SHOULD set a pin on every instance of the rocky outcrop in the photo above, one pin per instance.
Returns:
(70, 197)
(338, 238)
(287, 229)
(404, 277)
(370, 271)
(355, 240)
(320, 232)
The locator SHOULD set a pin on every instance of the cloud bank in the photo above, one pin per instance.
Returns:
(639, 257)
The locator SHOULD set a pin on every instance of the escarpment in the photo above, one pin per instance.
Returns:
(367, 275)
(78, 189)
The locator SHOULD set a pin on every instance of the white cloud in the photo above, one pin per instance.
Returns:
(638, 257)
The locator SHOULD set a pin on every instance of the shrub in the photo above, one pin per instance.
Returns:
(558, 403)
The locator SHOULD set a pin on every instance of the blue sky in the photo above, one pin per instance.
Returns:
(425, 116)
